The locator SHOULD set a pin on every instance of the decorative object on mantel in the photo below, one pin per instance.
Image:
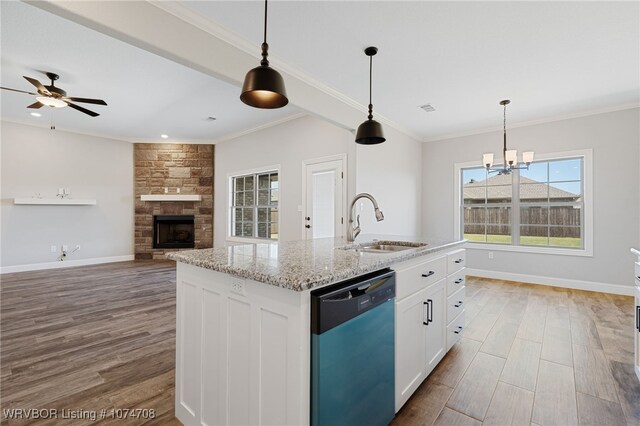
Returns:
(56, 201)
(510, 157)
(263, 86)
(171, 197)
(370, 132)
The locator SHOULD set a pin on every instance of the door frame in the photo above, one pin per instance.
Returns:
(319, 160)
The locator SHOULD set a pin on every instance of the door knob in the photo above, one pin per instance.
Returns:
(307, 226)
(307, 218)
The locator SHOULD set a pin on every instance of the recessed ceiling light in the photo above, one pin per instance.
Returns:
(163, 136)
(36, 114)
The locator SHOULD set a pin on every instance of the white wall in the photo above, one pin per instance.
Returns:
(288, 145)
(392, 173)
(38, 160)
(615, 140)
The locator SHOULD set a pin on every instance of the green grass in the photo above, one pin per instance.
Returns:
(529, 241)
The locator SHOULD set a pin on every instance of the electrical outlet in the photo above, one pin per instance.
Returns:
(490, 255)
(238, 288)
(65, 247)
(54, 249)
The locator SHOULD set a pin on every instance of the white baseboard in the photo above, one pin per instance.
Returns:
(555, 282)
(64, 264)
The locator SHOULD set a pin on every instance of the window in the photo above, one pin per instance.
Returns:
(254, 205)
(540, 207)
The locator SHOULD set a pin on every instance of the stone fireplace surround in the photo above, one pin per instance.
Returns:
(185, 166)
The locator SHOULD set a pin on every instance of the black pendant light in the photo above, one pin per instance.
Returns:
(263, 86)
(370, 132)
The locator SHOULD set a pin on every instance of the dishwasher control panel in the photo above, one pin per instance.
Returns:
(336, 304)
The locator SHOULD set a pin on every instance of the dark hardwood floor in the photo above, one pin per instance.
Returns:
(89, 338)
(103, 337)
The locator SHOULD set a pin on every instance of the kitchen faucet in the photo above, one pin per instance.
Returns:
(353, 231)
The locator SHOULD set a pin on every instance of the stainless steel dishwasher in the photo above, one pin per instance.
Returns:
(352, 351)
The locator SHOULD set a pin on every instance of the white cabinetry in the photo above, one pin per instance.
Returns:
(436, 343)
(456, 299)
(411, 361)
(242, 351)
(424, 288)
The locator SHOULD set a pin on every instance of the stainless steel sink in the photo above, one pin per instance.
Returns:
(384, 247)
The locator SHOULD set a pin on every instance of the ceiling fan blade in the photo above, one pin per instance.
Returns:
(38, 85)
(19, 91)
(79, 108)
(88, 100)
(35, 105)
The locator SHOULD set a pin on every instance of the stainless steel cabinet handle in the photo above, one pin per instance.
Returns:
(458, 260)
(458, 330)
(459, 280)
(428, 274)
(307, 226)
(638, 318)
(459, 304)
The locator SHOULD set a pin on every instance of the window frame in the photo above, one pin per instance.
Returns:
(587, 214)
(230, 193)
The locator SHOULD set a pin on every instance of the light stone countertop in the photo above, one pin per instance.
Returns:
(306, 264)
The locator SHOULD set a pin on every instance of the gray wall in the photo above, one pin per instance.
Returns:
(615, 140)
(38, 160)
(288, 145)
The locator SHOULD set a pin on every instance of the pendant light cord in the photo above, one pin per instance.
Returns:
(265, 46)
(265, 22)
(370, 116)
(504, 134)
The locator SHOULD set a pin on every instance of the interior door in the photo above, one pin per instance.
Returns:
(324, 192)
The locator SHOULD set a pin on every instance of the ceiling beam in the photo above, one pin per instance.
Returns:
(170, 30)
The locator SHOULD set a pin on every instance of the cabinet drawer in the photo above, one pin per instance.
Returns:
(415, 278)
(456, 281)
(455, 330)
(637, 274)
(456, 260)
(455, 304)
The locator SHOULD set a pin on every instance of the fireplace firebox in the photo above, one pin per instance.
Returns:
(173, 231)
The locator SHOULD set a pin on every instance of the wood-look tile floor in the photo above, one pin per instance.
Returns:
(89, 338)
(103, 337)
(534, 355)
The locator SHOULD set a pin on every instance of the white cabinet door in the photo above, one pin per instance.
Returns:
(435, 335)
(410, 345)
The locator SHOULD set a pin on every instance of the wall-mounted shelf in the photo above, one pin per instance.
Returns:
(171, 197)
(55, 201)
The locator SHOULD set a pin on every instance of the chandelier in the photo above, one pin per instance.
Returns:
(509, 156)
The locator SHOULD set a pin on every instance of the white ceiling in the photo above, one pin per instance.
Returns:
(550, 58)
(146, 94)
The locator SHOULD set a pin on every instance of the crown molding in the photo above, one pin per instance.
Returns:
(236, 135)
(64, 129)
(532, 122)
(182, 12)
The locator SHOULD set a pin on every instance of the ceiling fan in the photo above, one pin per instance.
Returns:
(55, 97)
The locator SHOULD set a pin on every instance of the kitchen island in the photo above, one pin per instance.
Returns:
(243, 321)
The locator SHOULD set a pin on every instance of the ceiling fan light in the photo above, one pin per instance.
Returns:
(370, 133)
(51, 102)
(264, 88)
